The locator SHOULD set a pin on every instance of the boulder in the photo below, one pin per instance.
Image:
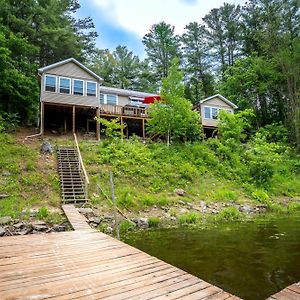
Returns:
(5, 220)
(46, 148)
(95, 220)
(85, 211)
(180, 192)
(6, 173)
(143, 223)
(2, 231)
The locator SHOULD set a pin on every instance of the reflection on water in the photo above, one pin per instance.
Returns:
(249, 259)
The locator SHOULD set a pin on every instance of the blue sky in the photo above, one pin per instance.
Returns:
(125, 22)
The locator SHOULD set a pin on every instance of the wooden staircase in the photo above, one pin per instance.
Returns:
(72, 178)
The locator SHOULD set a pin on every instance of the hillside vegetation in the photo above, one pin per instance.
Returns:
(146, 175)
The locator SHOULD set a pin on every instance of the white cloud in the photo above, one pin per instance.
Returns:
(139, 15)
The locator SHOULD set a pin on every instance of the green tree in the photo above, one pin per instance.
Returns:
(223, 33)
(197, 61)
(174, 117)
(162, 45)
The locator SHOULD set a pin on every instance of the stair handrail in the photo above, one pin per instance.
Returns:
(81, 166)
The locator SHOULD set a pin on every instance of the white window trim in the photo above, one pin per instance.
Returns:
(117, 99)
(86, 93)
(70, 81)
(218, 109)
(45, 83)
(105, 98)
(73, 86)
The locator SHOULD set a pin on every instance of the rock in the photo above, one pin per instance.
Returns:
(59, 228)
(95, 220)
(5, 220)
(6, 173)
(143, 223)
(2, 196)
(46, 148)
(19, 225)
(39, 226)
(183, 211)
(165, 209)
(2, 231)
(25, 231)
(180, 192)
(246, 209)
(85, 211)
(108, 218)
(181, 202)
(203, 206)
(109, 230)
(173, 219)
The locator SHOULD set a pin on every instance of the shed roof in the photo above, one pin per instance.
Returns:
(222, 98)
(75, 61)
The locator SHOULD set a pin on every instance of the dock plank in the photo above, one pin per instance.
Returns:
(291, 292)
(86, 264)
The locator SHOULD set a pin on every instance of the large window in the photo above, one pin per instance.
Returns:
(207, 113)
(213, 112)
(78, 87)
(50, 83)
(64, 85)
(111, 99)
(91, 88)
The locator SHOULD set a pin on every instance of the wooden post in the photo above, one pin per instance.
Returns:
(42, 117)
(73, 118)
(112, 189)
(143, 125)
(97, 124)
(65, 124)
(122, 130)
(127, 131)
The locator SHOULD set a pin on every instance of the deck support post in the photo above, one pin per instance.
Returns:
(73, 119)
(65, 124)
(98, 124)
(122, 130)
(143, 125)
(42, 118)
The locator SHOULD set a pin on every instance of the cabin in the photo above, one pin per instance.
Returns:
(72, 96)
(209, 109)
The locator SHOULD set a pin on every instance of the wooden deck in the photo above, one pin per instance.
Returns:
(86, 264)
(291, 292)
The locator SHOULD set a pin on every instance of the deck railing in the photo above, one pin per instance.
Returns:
(82, 168)
(111, 109)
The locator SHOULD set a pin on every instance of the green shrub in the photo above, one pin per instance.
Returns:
(260, 196)
(153, 221)
(125, 226)
(229, 214)
(188, 218)
(42, 213)
(293, 207)
(224, 194)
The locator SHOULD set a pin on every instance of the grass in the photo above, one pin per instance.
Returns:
(28, 178)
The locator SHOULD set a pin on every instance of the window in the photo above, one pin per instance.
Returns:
(207, 114)
(64, 85)
(50, 83)
(91, 88)
(101, 98)
(78, 87)
(111, 99)
(214, 113)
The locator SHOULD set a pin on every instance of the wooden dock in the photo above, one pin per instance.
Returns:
(291, 292)
(86, 264)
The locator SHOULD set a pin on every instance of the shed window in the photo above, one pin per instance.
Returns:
(91, 88)
(78, 87)
(64, 85)
(111, 99)
(207, 114)
(50, 83)
(214, 113)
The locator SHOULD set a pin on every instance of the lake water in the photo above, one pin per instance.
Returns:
(252, 259)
